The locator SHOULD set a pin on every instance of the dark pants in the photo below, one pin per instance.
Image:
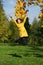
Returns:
(22, 40)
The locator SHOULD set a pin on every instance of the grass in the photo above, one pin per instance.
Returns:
(21, 55)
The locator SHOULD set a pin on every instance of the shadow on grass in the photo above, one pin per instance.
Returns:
(38, 55)
(15, 55)
(27, 55)
(36, 48)
(34, 51)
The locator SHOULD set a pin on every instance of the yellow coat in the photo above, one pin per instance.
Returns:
(22, 30)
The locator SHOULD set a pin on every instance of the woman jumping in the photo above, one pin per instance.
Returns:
(22, 30)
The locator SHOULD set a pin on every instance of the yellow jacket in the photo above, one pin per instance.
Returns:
(22, 30)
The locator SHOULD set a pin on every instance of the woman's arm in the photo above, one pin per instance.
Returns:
(25, 19)
(13, 20)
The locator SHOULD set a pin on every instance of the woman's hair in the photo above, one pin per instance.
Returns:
(19, 19)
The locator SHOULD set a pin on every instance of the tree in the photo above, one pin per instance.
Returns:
(27, 25)
(33, 32)
(4, 25)
(36, 34)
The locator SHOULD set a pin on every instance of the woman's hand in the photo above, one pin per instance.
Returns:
(10, 16)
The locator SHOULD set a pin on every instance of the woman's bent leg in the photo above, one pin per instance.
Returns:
(24, 41)
(17, 40)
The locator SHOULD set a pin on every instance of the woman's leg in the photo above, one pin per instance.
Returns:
(17, 40)
(23, 41)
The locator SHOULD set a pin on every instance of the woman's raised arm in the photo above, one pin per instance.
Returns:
(13, 20)
(25, 19)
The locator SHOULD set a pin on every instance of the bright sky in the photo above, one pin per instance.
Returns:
(9, 10)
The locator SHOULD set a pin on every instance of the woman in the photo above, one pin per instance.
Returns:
(22, 31)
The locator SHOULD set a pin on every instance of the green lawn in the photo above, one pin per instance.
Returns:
(21, 55)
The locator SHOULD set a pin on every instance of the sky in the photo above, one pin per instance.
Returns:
(9, 10)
